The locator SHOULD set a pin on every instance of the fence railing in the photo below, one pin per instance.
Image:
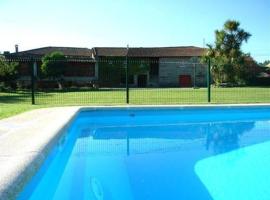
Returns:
(124, 80)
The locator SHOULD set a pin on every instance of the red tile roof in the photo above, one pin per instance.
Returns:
(67, 51)
(86, 54)
(110, 51)
(185, 51)
(189, 51)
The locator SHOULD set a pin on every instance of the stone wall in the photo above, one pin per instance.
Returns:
(171, 68)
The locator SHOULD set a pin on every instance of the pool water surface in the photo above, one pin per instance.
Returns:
(159, 153)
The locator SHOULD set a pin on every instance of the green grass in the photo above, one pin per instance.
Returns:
(7, 110)
(14, 103)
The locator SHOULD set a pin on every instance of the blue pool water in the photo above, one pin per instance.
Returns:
(145, 154)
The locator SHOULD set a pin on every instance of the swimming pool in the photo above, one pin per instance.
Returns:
(159, 153)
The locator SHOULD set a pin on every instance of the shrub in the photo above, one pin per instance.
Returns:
(8, 73)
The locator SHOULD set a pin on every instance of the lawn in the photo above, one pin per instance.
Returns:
(14, 103)
(7, 110)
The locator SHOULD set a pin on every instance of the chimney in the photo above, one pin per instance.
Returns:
(16, 48)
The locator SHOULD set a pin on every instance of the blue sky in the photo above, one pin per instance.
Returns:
(89, 23)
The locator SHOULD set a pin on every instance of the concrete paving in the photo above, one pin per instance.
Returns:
(25, 140)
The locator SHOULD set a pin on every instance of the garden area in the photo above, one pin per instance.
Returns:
(17, 102)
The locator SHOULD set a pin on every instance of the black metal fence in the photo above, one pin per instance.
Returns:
(130, 81)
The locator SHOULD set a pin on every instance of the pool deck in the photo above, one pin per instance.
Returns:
(26, 139)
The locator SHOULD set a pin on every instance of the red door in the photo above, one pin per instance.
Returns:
(184, 80)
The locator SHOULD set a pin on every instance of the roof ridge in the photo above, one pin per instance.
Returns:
(67, 47)
(165, 47)
(111, 47)
(148, 47)
(50, 47)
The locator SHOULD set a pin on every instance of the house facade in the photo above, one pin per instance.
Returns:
(80, 66)
(166, 66)
(148, 67)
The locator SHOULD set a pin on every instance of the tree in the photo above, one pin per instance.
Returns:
(53, 66)
(227, 58)
(8, 72)
(265, 63)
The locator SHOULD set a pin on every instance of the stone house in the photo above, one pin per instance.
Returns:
(167, 66)
(148, 67)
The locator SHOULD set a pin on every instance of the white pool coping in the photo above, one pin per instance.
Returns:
(26, 139)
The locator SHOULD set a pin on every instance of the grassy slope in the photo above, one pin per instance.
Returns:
(14, 103)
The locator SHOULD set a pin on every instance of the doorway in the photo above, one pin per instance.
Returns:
(142, 80)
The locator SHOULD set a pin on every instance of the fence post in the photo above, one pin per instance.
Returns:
(209, 81)
(127, 86)
(33, 72)
(194, 75)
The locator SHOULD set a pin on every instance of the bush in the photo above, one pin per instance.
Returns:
(8, 73)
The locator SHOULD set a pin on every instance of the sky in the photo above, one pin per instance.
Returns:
(139, 23)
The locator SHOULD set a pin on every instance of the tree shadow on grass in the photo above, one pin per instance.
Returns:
(20, 97)
(67, 90)
(15, 98)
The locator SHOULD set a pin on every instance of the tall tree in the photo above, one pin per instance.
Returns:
(53, 66)
(228, 60)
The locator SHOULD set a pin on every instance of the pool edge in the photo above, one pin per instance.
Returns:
(11, 188)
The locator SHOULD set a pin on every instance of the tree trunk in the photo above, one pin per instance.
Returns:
(60, 84)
